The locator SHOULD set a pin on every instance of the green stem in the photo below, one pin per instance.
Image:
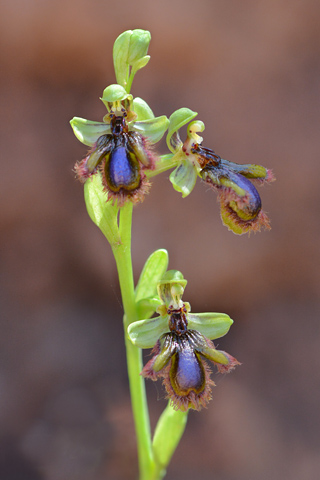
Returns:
(122, 254)
(167, 161)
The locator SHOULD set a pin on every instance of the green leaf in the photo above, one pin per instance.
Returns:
(101, 212)
(211, 325)
(145, 333)
(153, 270)
(168, 433)
(87, 131)
(178, 119)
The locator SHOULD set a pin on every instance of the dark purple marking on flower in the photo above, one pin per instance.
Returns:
(205, 155)
(178, 322)
(122, 170)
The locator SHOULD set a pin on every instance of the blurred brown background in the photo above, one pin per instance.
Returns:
(251, 70)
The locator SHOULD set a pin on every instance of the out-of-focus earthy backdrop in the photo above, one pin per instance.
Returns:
(251, 70)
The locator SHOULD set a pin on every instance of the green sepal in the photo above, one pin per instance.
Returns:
(101, 212)
(114, 93)
(145, 333)
(153, 128)
(173, 276)
(178, 119)
(184, 177)
(87, 131)
(142, 109)
(152, 272)
(130, 50)
(171, 287)
(211, 325)
(167, 435)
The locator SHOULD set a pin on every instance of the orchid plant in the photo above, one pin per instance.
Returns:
(116, 173)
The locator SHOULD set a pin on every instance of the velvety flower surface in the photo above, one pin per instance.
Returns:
(181, 352)
(240, 202)
(121, 146)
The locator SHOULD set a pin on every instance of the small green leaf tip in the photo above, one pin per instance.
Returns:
(130, 55)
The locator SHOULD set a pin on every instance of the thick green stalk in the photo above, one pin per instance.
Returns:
(122, 254)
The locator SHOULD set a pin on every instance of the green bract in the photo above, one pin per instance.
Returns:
(102, 213)
(130, 55)
(146, 296)
(168, 432)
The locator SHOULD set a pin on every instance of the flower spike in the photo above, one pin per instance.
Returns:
(239, 199)
(182, 345)
(121, 146)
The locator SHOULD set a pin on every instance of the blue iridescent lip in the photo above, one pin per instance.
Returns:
(122, 170)
(250, 200)
(180, 358)
(187, 372)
